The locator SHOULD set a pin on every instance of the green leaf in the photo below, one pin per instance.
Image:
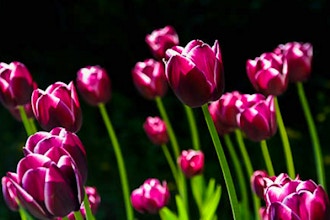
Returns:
(166, 214)
(209, 190)
(198, 188)
(210, 206)
(182, 212)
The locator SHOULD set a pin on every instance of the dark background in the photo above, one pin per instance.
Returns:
(55, 38)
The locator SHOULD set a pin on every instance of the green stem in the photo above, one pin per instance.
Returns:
(313, 135)
(240, 176)
(171, 163)
(285, 140)
(120, 161)
(266, 155)
(193, 127)
(33, 125)
(65, 218)
(249, 169)
(78, 215)
(25, 120)
(23, 213)
(89, 214)
(223, 163)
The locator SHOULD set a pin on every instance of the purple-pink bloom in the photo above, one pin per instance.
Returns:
(57, 106)
(162, 39)
(9, 192)
(151, 196)
(299, 59)
(16, 84)
(195, 72)
(258, 122)
(258, 182)
(94, 85)
(156, 130)
(191, 162)
(268, 73)
(149, 78)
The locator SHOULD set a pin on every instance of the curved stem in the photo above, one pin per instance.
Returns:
(240, 176)
(120, 161)
(223, 163)
(266, 155)
(78, 216)
(313, 135)
(170, 163)
(249, 169)
(285, 140)
(25, 120)
(193, 127)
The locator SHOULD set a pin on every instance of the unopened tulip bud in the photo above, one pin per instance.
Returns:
(191, 162)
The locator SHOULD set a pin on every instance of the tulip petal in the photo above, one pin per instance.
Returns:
(279, 211)
(31, 161)
(33, 140)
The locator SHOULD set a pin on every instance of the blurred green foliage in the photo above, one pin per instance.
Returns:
(55, 38)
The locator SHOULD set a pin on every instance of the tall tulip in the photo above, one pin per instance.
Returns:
(162, 39)
(195, 72)
(191, 162)
(156, 130)
(94, 85)
(57, 106)
(149, 78)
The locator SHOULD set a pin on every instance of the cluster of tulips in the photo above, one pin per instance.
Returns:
(50, 179)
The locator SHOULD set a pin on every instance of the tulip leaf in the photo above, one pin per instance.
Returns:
(212, 199)
(198, 188)
(182, 211)
(166, 214)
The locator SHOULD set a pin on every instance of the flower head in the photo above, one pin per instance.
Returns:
(9, 192)
(191, 162)
(195, 72)
(162, 39)
(156, 130)
(151, 196)
(149, 78)
(57, 106)
(94, 85)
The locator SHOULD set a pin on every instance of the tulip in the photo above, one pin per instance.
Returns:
(299, 59)
(151, 196)
(93, 83)
(191, 162)
(195, 72)
(258, 183)
(155, 128)
(42, 142)
(224, 112)
(57, 106)
(9, 192)
(268, 73)
(258, 122)
(162, 39)
(296, 199)
(16, 84)
(149, 78)
(48, 185)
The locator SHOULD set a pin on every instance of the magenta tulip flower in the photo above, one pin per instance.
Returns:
(151, 196)
(94, 85)
(258, 122)
(191, 162)
(156, 130)
(48, 185)
(258, 182)
(268, 73)
(57, 106)
(162, 39)
(149, 78)
(43, 142)
(224, 112)
(9, 192)
(16, 84)
(299, 59)
(296, 200)
(195, 73)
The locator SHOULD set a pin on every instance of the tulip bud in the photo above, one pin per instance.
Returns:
(195, 73)
(151, 196)
(93, 83)
(191, 162)
(16, 84)
(156, 130)
(9, 192)
(162, 39)
(258, 182)
(299, 59)
(149, 78)
(57, 106)
(268, 73)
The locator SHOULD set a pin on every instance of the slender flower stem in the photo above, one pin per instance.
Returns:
(33, 125)
(65, 218)
(240, 176)
(176, 150)
(193, 127)
(249, 169)
(285, 140)
(223, 163)
(89, 214)
(170, 163)
(266, 155)
(78, 216)
(120, 161)
(25, 120)
(23, 213)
